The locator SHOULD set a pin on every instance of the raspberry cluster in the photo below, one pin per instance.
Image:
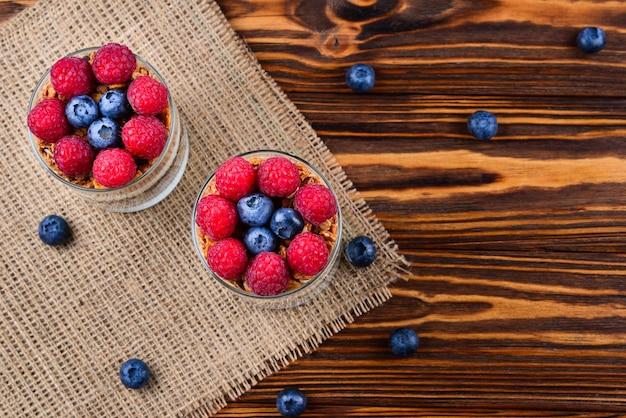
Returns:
(103, 119)
(265, 224)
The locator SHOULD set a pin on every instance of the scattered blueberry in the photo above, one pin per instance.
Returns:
(80, 111)
(361, 251)
(103, 133)
(403, 342)
(54, 230)
(482, 124)
(286, 223)
(255, 209)
(291, 402)
(114, 104)
(360, 77)
(591, 40)
(260, 239)
(134, 373)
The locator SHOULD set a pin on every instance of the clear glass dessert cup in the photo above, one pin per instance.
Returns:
(291, 297)
(148, 189)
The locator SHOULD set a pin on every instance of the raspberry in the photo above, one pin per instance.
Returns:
(278, 177)
(144, 136)
(114, 167)
(267, 274)
(316, 203)
(47, 120)
(72, 76)
(147, 96)
(228, 258)
(235, 178)
(216, 216)
(73, 155)
(113, 64)
(307, 253)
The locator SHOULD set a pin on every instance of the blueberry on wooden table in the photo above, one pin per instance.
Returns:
(291, 402)
(360, 77)
(361, 251)
(403, 342)
(134, 373)
(482, 125)
(591, 40)
(54, 230)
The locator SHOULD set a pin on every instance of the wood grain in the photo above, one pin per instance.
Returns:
(517, 245)
(10, 8)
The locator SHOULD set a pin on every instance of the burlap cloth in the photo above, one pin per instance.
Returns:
(130, 285)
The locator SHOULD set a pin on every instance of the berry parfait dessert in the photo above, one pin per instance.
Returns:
(102, 121)
(267, 225)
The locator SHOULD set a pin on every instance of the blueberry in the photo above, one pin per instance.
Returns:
(482, 124)
(403, 342)
(103, 133)
(134, 373)
(54, 230)
(286, 223)
(81, 111)
(291, 402)
(360, 77)
(591, 40)
(114, 104)
(260, 239)
(361, 251)
(255, 209)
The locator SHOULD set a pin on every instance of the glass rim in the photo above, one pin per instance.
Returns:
(34, 141)
(332, 256)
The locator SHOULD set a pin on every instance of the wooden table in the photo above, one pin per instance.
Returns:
(517, 245)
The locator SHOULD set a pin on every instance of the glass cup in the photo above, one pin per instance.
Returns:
(154, 184)
(294, 295)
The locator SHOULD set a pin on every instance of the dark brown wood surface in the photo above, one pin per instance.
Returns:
(517, 245)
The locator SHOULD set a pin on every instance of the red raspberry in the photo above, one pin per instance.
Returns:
(144, 136)
(73, 155)
(228, 258)
(307, 253)
(235, 178)
(216, 216)
(147, 96)
(316, 203)
(47, 120)
(278, 177)
(267, 274)
(114, 167)
(72, 76)
(113, 64)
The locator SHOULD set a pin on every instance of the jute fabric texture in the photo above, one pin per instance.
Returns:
(131, 285)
